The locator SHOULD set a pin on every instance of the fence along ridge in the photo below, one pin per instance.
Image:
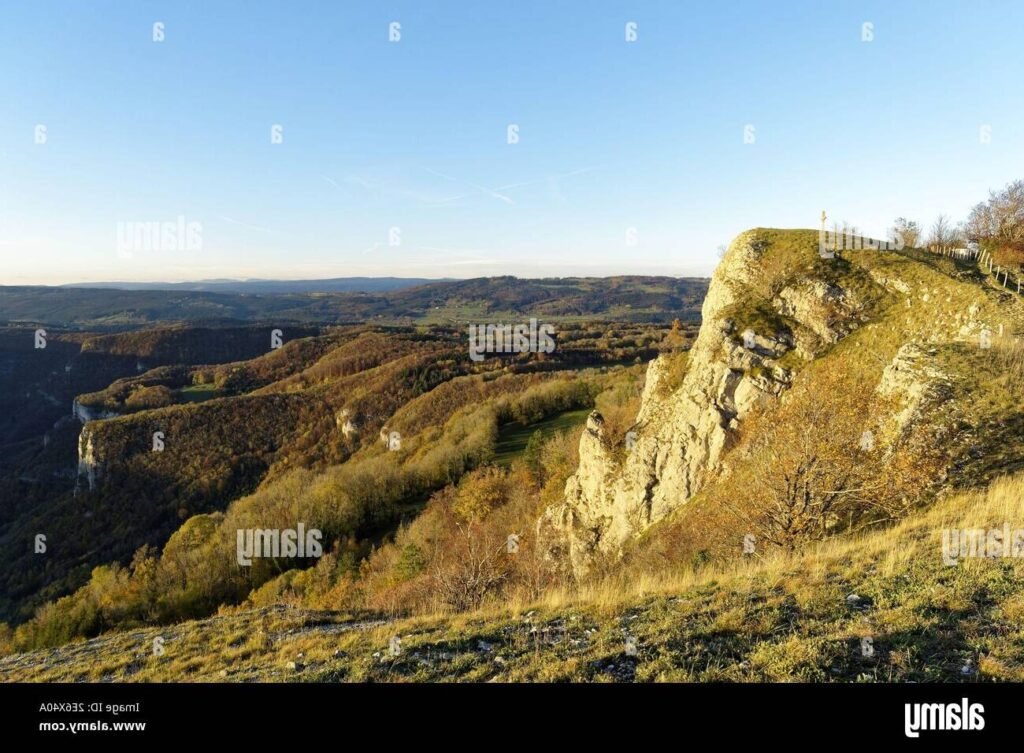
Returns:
(983, 258)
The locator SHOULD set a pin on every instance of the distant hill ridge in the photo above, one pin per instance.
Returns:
(329, 285)
(630, 298)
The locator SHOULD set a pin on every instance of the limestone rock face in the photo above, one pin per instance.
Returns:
(680, 435)
(89, 464)
(344, 421)
(914, 382)
(85, 414)
(824, 310)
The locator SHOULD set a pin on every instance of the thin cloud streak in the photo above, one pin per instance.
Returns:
(249, 226)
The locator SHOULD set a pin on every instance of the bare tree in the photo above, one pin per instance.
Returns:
(471, 568)
(979, 222)
(944, 234)
(1001, 218)
(908, 230)
(812, 466)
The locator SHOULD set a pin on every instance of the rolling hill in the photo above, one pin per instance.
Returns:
(633, 299)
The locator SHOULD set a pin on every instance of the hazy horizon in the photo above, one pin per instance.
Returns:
(540, 275)
(241, 280)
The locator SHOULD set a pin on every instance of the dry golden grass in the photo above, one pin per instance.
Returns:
(780, 618)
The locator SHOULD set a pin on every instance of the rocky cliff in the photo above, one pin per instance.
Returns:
(87, 413)
(773, 305)
(89, 464)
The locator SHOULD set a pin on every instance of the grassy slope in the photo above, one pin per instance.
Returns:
(513, 436)
(788, 618)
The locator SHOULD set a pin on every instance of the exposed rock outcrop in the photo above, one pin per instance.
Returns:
(89, 465)
(913, 381)
(85, 413)
(681, 435)
(344, 421)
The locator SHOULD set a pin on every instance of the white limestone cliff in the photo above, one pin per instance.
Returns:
(681, 435)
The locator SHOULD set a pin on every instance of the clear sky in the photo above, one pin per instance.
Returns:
(631, 156)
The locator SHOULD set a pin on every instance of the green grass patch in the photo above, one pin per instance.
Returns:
(197, 393)
(513, 436)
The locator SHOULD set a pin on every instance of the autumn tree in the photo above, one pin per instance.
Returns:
(999, 223)
(1001, 217)
(813, 465)
(146, 398)
(675, 339)
(472, 566)
(908, 230)
(480, 492)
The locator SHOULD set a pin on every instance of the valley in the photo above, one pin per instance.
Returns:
(144, 428)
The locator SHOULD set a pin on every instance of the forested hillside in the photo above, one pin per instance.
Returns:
(632, 299)
(190, 419)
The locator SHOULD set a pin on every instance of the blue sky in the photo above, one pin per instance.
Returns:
(631, 155)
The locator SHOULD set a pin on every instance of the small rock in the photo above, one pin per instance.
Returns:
(856, 601)
(295, 666)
